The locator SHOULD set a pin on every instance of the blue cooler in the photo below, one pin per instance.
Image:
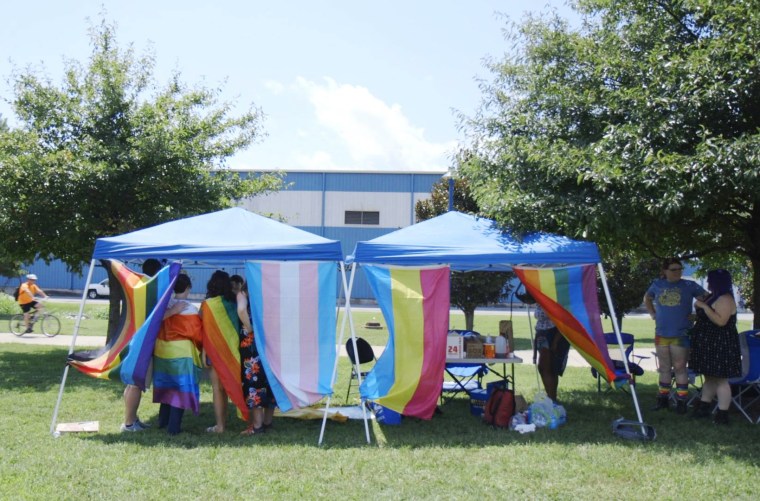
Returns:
(478, 400)
(384, 415)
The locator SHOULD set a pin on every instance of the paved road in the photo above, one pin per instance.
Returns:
(574, 360)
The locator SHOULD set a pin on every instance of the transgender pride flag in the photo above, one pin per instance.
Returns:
(293, 310)
(569, 298)
(407, 377)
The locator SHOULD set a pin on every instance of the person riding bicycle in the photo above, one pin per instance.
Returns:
(27, 301)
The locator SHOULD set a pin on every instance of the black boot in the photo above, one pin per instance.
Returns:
(721, 417)
(701, 409)
(681, 406)
(663, 402)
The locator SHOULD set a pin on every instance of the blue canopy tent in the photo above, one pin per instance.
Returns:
(470, 243)
(230, 236)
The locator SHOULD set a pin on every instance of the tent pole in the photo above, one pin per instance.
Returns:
(616, 328)
(356, 350)
(72, 345)
(337, 351)
(346, 319)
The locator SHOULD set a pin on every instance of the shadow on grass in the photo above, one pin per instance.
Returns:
(590, 415)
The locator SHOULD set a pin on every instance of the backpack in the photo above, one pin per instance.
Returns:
(499, 408)
(16, 292)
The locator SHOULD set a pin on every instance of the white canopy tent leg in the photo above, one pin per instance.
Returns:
(71, 347)
(616, 328)
(346, 319)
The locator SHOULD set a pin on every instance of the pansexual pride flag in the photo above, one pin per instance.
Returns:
(407, 377)
(129, 353)
(569, 298)
(293, 311)
(221, 343)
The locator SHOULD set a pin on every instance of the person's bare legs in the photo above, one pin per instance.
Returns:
(665, 370)
(268, 416)
(723, 390)
(220, 402)
(132, 397)
(550, 380)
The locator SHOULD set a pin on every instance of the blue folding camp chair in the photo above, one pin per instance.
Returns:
(466, 376)
(612, 347)
(747, 387)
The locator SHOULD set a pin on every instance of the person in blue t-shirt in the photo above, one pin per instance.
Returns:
(669, 301)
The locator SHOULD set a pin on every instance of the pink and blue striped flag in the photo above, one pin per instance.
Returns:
(569, 298)
(293, 311)
(407, 377)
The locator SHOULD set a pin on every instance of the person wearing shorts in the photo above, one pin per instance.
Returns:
(553, 349)
(669, 302)
(26, 299)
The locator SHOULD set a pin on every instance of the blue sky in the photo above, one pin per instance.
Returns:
(344, 84)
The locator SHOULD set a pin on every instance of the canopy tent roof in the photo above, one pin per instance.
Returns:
(227, 235)
(468, 242)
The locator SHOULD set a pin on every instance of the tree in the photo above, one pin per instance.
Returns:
(640, 130)
(628, 278)
(110, 151)
(472, 289)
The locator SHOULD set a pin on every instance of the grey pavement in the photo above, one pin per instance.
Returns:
(574, 359)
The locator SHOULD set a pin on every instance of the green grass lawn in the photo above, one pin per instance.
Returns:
(94, 321)
(452, 456)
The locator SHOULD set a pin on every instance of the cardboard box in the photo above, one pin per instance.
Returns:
(473, 346)
(505, 329)
(454, 346)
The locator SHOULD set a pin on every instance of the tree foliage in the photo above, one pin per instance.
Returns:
(472, 289)
(109, 151)
(628, 278)
(638, 130)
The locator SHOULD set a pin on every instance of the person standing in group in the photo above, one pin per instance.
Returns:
(715, 348)
(27, 292)
(553, 350)
(132, 393)
(256, 390)
(669, 302)
(236, 282)
(219, 286)
(177, 359)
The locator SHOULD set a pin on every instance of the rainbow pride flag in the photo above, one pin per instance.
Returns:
(128, 355)
(177, 365)
(293, 311)
(407, 377)
(221, 343)
(569, 298)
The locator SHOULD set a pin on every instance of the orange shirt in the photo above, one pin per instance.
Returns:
(26, 293)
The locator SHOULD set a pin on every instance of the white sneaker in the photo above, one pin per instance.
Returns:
(132, 427)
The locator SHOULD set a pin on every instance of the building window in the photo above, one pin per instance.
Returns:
(362, 217)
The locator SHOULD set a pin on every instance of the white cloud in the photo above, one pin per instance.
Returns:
(372, 134)
(274, 87)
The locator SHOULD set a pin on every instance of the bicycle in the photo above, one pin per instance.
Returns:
(49, 322)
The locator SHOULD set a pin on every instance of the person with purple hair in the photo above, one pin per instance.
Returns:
(715, 349)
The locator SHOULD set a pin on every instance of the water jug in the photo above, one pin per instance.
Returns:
(501, 347)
